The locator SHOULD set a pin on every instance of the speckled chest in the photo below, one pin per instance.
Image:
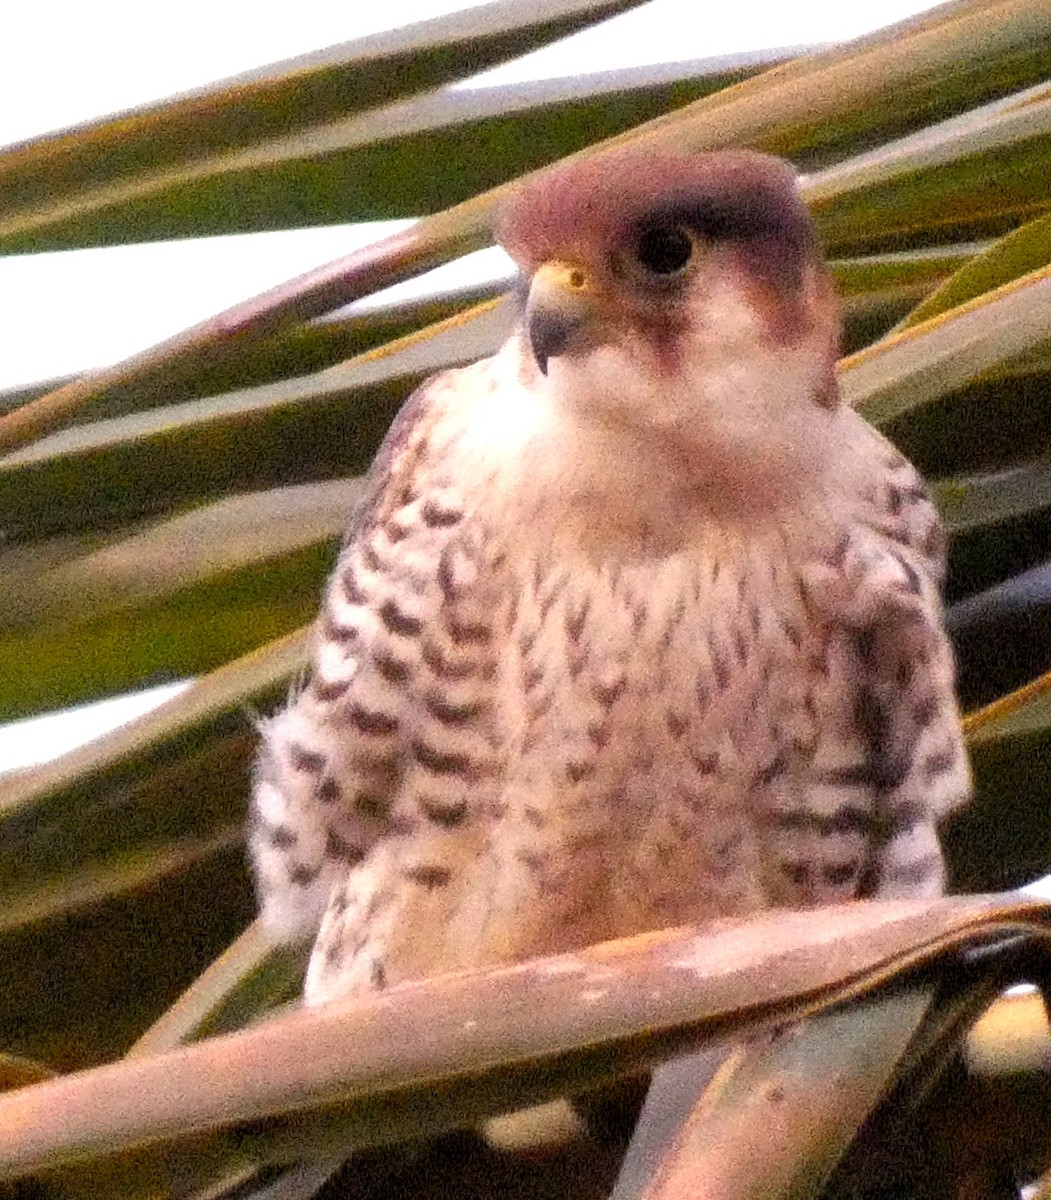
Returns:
(677, 653)
(654, 706)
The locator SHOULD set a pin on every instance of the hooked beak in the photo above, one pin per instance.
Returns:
(561, 302)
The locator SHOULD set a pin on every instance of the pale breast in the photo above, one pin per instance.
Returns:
(660, 711)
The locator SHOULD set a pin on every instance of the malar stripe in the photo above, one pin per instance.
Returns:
(440, 762)
(398, 622)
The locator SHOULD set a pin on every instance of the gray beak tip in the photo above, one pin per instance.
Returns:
(550, 331)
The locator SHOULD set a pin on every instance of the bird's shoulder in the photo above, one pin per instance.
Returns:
(898, 508)
(420, 562)
(881, 588)
(399, 680)
(418, 439)
(884, 556)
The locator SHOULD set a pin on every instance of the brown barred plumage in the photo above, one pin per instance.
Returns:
(636, 625)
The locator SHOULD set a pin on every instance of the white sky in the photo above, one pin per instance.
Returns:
(68, 61)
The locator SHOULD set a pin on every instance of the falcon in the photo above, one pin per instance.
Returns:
(637, 624)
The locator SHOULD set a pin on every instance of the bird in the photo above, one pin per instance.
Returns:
(637, 623)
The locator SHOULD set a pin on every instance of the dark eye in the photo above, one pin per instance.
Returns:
(664, 249)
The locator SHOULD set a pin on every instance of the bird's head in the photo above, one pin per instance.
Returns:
(678, 292)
